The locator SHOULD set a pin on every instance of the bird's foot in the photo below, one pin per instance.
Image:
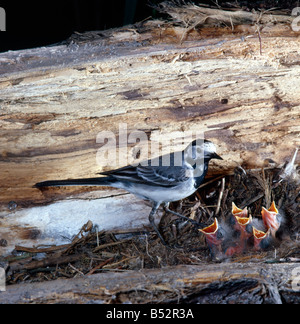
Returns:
(168, 210)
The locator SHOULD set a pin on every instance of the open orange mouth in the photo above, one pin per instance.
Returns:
(259, 235)
(238, 211)
(211, 235)
(243, 221)
(270, 219)
(211, 229)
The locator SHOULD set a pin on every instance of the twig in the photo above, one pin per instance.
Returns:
(259, 37)
(251, 201)
(53, 260)
(97, 233)
(176, 58)
(220, 196)
(189, 80)
(41, 250)
(147, 247)
(211, 181)
(189, 29)
(80, 238)
(75, 269)
(110, 266)
(103, 246)
(99, 266)
(232, 26)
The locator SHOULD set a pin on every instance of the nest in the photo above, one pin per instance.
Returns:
(92, 251)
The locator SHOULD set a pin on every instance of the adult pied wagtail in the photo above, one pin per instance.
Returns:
(154, 181)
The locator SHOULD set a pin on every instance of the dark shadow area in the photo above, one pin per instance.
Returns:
(40, 23)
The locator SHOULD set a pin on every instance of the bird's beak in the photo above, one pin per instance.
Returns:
(238, 211)
(210, 233)
(216, 156)
(273, 208)
(270, 218)
(259, 236)
(242, 223)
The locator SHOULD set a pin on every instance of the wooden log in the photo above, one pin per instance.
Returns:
(208, 283)
(56, 100)
(193, 15)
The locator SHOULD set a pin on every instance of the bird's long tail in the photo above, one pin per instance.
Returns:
(100, 181)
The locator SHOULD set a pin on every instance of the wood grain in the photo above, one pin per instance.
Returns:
(208, 283)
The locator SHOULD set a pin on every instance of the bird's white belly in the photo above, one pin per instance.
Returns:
(161, 194)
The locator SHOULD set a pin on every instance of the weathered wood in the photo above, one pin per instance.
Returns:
(55, 100)
(193, 15)
(208, 283)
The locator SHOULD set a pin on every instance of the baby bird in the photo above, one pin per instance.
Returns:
(271, 219)
(214, 237)
(261, 240)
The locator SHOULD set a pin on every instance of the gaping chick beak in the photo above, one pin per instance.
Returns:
(242, 225)
(211, 235)
(243, 222)
(260, 239)
(238, 211)
(270, 218)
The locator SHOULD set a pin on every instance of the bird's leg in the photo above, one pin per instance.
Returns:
(151, 220)
(166, 208)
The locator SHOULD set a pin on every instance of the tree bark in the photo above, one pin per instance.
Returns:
(208, 283)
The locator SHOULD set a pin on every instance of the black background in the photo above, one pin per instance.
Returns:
(39, 23)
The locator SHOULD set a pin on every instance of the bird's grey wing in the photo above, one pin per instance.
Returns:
(128, 173)
(163, 175)
(152, 175)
